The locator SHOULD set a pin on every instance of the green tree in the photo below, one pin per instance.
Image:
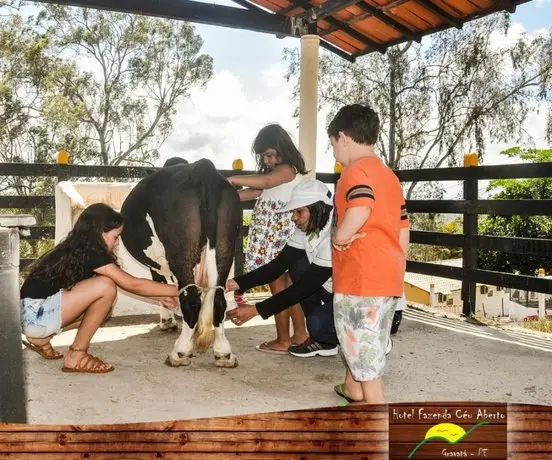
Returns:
(519, 226)
(466, 88)
(434, 223)
(117, 81)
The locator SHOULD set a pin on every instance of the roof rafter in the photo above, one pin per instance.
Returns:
(323, 43)
(379, 14)
(194, 11)
(327, 9)
(438, 11)
(507, 5)
(344, 27)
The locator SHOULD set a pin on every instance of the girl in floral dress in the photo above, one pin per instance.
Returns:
(280, 166)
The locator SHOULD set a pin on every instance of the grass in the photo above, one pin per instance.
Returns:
(542, 325)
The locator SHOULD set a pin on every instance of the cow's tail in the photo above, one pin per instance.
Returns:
(209, 275)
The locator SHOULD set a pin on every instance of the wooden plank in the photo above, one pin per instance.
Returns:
(190, 456)
(528, 283)
(362, 417)
(514, 171)
(40, 233)
(186, 437)
(27, 202)
(472, 207)
(257, 445)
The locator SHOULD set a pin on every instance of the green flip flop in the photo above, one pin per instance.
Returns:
(340, 390)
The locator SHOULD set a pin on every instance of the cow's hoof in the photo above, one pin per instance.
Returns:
(181, 360)
(229, 360)
(168, 325)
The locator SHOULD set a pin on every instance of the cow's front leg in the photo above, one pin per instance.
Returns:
(167, 321)
(182, 353)
(190, 303)
(222, 350)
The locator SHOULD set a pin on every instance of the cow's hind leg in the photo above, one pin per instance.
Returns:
(190, 303)
(167, 321)
(221, 348)
(228, 222)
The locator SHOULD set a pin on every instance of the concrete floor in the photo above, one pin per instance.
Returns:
(428, 363)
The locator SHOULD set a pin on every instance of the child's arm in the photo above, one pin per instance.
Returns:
(280, 175)
(353, 221)
(404, 239)
(248, 194)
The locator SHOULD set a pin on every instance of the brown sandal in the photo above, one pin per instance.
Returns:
(89, 364)
(46, 350)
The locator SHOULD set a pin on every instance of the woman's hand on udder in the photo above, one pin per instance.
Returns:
(231, 286)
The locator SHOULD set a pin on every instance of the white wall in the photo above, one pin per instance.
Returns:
(71, 198)
(494, 305)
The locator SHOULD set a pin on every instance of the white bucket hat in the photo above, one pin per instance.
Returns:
(307, 192)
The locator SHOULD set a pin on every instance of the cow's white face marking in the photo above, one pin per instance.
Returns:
(156, 251)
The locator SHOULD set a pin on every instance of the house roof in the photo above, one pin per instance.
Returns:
(359, 27)
(350, 28)
(442, 285)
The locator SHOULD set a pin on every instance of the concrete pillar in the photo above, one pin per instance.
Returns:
(432, 295)
(540, 295)
(13, 401)
(308, 102)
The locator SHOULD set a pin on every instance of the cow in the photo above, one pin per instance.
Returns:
(182, 222)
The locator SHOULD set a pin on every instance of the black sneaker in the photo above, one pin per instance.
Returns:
(312, 348)
(397, 318)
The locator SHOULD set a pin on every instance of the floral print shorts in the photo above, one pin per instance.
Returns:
(363, 325)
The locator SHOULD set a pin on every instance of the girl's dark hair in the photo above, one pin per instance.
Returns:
(67, 259)
(275, 137)
(319, 215)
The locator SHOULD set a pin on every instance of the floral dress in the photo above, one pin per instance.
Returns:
(269, 229)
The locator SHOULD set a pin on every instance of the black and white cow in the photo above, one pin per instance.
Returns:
(182, 222)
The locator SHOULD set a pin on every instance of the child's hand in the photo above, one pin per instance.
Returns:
(344, 245)
(170, 303)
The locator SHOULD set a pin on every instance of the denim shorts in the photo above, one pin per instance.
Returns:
(41, 317)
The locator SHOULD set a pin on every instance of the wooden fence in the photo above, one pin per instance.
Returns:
(469, 207)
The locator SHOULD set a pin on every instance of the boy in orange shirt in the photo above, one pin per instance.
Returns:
(370, 243)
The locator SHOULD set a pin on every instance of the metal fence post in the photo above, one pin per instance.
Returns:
(469, 253)
(13, 400)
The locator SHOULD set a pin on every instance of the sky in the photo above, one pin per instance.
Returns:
(248, 90)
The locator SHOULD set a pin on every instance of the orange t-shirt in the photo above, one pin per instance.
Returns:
(373, 266)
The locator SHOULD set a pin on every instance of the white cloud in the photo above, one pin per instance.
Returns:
(221, 122)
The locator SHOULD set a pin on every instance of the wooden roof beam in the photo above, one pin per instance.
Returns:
(344, 27)
(356, 35)
(327, 9)
(379, 14)
(448, 18)
(323, 44)
(195, 11)
(507, 5)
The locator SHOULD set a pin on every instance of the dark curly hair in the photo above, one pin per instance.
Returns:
(319, 215)
(66, 261)
(275, 137)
